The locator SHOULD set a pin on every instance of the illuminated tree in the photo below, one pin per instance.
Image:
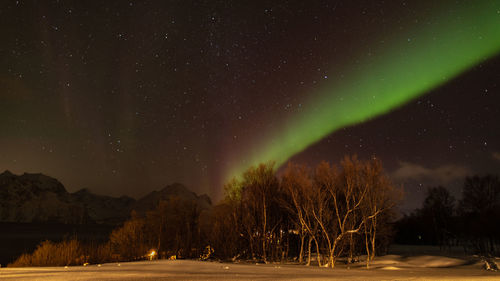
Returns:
(295, 182)
(337, 210)
(259, 188)
(301, 198)
(378, 207)
(346, 194)
(254, 201)
(358, 195)
(128, 240)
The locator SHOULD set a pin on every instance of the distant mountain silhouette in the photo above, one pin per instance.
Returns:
(37, 198)
(151, 200)
(40, 198)
(104, 209)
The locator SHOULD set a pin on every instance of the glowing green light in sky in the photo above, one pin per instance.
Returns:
(409, 66)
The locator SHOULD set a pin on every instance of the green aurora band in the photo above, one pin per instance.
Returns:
(400, 72)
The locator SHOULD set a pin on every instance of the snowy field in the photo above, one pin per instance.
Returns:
(390, 267)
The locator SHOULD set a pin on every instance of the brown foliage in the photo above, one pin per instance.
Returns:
(68, 252)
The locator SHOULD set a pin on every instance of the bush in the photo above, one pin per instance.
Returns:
(67, 252)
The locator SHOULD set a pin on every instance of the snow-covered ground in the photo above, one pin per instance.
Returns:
(391, 267)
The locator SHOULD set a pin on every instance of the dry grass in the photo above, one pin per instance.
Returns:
(67, 252)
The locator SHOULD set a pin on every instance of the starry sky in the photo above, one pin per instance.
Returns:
(125, 97)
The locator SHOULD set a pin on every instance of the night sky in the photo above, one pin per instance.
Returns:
(125, 97)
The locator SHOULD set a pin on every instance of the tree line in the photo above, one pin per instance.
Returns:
(471, 222)
(303, 214)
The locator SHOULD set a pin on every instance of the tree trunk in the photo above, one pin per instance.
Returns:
(309, 251)
(374, 235)
(318, 252)
(264, 231)
(351, 249)
(333, 259)
(301, 253)
(284, 256)
(367, 247)
(252, 252)
(159, 239)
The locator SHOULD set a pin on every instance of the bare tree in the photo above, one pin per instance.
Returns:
(437, 209)
(346, 194)
(254, 198)
(479, 207)
(357, 195)
(334, 210)
(260, 185)
(381, 198)
(296, 182)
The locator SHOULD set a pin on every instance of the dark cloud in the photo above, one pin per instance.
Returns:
(441, 175)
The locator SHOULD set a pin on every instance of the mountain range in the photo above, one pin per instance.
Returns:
(39, 198)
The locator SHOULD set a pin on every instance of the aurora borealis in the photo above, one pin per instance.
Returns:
(125, 97)
(404, 69)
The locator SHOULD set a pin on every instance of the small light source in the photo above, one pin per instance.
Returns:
(152, 255)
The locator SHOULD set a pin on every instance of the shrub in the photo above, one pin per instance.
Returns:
(67, 252)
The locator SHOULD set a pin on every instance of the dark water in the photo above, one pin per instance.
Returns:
(19, 238)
